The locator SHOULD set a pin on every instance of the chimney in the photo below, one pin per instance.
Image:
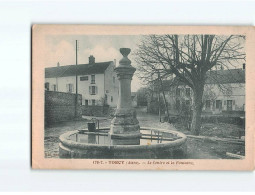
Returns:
(91, 59)
(243, 66)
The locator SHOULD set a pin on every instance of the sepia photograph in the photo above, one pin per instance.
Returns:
(143, 96)
(127, 96)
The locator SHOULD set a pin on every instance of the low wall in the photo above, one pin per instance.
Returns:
(60, 106)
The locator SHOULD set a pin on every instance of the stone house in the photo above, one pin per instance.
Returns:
(224, 91)
(97, 81)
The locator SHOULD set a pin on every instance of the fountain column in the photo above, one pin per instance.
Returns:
(125, 127)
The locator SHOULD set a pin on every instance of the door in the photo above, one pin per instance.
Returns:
(229, 105)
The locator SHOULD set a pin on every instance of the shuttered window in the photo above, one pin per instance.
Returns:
(92, 90)
(208, 104)
(93, 79)
(54, 87)
(47, 86)
(84, 78)
(218, 104)
(69, 88)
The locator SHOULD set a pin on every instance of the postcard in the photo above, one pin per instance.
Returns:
(143, 97)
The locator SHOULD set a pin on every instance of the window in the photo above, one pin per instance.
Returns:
(93, 79)
(107, 91)
(218, 104)
(111, 99)
(69, 88)
(85, 78)
(208, 104)
(188, 92)
(93, 102)
(229, 105)
(47, 86)
(113, 79)
(178, 92)
(86, 102)
(54, 87)
(92, 90)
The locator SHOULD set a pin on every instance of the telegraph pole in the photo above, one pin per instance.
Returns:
(159, 108)
(76, 82)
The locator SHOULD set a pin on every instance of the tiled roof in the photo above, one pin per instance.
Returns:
(82, 69)
(225, 76)
(214, 77)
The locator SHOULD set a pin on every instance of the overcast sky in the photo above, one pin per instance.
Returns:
(104, 48)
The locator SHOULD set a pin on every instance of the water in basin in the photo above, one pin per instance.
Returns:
(148, 137)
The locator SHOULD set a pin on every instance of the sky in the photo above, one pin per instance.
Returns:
(61, 48)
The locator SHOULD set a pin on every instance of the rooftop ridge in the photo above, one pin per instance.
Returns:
(70, 70)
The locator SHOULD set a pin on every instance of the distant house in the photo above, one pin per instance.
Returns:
(224, 91)
(97, 81)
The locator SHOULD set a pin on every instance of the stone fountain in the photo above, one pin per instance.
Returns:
(125, 127)
(124, 139)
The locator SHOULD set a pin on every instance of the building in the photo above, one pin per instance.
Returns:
(97, 81)
(224, 91)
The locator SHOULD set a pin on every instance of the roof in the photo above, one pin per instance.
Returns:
(225, 76)
(82, 69)
(214, 77)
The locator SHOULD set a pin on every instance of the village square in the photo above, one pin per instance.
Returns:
(191, 84)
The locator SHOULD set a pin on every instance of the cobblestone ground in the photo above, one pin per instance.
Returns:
(196, 149)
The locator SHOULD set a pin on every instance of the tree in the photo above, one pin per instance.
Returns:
(142, 96)
(188, 58)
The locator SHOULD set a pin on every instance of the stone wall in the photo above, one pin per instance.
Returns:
(60, 106)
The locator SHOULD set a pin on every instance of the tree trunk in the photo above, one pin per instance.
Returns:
(197, 109)
(165, 102)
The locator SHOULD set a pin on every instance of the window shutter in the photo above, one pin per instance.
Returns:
(95, 89)
(90, 90)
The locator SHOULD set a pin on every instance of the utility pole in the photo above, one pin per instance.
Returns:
(164, 96)
(76, 83)
(57, 77)
(159, 109)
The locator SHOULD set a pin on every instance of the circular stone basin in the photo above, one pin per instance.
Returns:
(154, 144)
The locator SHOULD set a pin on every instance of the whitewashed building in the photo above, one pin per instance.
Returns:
(97, 82)
(224, 91)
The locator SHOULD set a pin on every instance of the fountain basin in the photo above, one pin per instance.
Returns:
(154, 144)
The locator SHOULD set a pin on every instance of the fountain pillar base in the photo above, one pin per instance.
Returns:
(125, 127)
